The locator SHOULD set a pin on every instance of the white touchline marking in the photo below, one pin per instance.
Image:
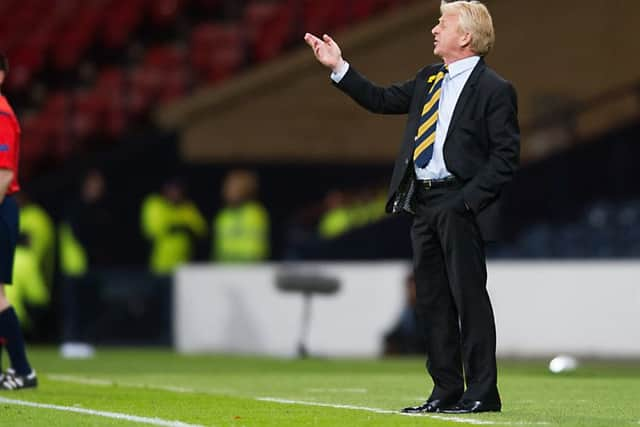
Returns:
(375, 410)
(336, 390)
(104, 414)
(463, 420)
(94, 381)
(80, 380)
(100, 382)
(105, 383)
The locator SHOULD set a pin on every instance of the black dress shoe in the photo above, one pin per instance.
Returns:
(471, 407)
(435, 405)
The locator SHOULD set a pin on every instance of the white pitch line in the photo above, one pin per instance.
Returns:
(104, 414)
(464, 420)
(105, 383)
(377, 410)
(98, 382)
(336, 390)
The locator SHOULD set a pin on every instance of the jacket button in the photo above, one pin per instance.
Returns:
(406, 161)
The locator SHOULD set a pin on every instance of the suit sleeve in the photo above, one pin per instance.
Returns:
(395, 99)
(7, 144)
(504, 152)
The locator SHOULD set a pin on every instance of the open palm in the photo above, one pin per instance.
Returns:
(326, 50)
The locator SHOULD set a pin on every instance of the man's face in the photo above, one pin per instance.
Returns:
(448, 39)
(1, 77)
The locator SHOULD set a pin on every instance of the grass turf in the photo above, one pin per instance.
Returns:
(223, 391)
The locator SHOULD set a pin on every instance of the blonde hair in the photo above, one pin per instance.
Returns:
(475, 19)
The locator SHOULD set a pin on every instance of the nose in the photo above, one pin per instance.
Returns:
(434, 30)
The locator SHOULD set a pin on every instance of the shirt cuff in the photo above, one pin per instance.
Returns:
(340, 71)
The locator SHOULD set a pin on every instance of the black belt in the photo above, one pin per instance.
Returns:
(429, 184)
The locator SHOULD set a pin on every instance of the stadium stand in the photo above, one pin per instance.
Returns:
(109, 62)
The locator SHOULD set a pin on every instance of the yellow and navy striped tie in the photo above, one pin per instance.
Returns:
(426, 136)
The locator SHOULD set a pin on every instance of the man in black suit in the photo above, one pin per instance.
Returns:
(460, 147)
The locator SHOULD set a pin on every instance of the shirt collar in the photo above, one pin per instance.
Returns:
(462, 65)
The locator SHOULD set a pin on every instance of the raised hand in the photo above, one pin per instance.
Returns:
(326, 50)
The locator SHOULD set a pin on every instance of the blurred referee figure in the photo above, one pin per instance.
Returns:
(461, 145)
(20, 375)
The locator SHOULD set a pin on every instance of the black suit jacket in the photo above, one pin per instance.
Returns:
(482, 146)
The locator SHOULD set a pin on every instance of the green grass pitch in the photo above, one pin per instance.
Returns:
(162, 388)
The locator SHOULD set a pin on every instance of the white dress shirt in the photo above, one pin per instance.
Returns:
(452, 86)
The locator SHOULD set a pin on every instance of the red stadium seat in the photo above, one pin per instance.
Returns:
(33, 139)
(88, 108)
(323, 16)
(269, 26)
(209, 5)
(111, 80)
(112, 85)
(165, 57)
(361, 9)
(120, 19)
(24, 63)
(217, 51)
(176, 83)
(165, 12)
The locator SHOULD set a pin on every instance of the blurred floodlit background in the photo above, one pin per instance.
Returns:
(179, 156)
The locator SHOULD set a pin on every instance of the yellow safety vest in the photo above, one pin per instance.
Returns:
(37, 224)
(28, 287)
(73, 257)
(170, 228)
(241, 234)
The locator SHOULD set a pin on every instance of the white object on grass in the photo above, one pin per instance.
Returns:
(563, 363)
(77, 350)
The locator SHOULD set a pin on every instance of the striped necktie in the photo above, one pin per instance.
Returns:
(423, 149)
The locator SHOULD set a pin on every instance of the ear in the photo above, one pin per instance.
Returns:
(465, 40)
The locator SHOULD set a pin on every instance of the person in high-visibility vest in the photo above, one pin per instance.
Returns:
(37, 226)
(29, 289)
(172, 224)
(241, 227)
(337, 219)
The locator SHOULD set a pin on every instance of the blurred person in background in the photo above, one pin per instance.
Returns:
(345, 212)
(37, 226)
(406, 337)
(172, 224)
(20, 375)
(241, 228)
(87, 245)
(368, 206)
(337, 219)
(87, 241)
(460, 147)
(30, 295)
(33, 267)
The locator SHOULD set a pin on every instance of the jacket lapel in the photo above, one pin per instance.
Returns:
(465, 95)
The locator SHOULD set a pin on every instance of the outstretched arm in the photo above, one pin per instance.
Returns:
(394, 99)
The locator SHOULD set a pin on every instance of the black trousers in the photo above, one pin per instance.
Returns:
(452, 300)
